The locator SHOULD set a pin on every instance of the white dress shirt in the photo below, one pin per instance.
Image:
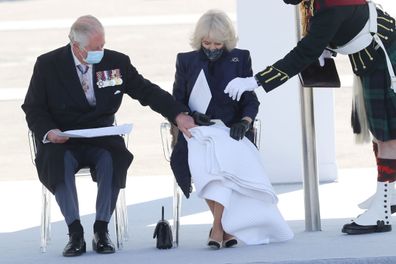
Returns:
(90, 94)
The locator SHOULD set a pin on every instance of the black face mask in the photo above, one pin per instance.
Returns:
(292, 2)
(213, 54)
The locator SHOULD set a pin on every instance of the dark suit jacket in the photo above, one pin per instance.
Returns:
(236, 63)
(55, 99)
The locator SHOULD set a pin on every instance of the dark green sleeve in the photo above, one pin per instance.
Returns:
(322, 31)
(323, 28)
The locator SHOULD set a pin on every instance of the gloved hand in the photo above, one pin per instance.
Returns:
(239, 129)
(237, 86)
(325, 55)
(201, 119)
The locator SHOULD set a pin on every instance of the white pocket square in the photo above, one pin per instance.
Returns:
(117, 92)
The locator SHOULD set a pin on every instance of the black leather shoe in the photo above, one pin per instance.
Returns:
(102, 244)
(355, 229)
(393, 209)
(76, 245)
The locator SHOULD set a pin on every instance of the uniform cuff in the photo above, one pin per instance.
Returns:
(271, 78)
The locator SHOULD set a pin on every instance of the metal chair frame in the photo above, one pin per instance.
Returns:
(120, 212)
(166, 139)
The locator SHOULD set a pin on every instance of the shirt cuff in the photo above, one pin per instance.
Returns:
(45, 140)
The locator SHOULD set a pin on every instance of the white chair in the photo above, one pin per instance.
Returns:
(120, 213)
(168, 141)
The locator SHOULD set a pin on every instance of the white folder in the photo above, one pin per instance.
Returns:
(200, 95)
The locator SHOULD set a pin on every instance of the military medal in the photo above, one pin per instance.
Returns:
(99, 79)
(116, 76)
(108, 78)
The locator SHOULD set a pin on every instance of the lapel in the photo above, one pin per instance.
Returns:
(97, 68)
(68, 76)
(106, 64)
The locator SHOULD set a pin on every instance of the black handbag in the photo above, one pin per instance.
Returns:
(163, 233)
(317, 76)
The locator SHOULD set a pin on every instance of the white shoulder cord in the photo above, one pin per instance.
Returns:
(374, 29)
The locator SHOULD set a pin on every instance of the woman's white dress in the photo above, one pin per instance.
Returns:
(231, 172)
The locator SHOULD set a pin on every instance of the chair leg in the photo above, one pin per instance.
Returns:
(124, 215)
(257, 132)
(45, 219)
(176, 213)
(121, 220)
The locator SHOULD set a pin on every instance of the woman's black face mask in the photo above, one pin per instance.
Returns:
(292, 2)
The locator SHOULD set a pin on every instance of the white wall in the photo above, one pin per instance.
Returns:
(388, 5)
(268, 29)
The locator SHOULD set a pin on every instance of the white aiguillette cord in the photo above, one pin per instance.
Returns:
(374, 29)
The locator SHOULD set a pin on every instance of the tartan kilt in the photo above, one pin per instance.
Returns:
(380, 99)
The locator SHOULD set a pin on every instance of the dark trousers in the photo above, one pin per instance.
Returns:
(66, 193)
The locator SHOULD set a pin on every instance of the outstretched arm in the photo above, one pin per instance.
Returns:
(322, 31)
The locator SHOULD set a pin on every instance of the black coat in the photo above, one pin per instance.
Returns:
(55, 99)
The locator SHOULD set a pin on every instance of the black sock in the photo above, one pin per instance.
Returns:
(76, 227)
(100, 226)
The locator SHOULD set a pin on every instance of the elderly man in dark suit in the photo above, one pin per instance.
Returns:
(79, 86)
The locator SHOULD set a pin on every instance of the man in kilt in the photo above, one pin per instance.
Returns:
(366, 34)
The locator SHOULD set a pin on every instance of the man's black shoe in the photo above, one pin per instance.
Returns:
(102, 244)
(355, 229)
(76, 245)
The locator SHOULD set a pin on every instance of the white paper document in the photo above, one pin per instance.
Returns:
(97, 132)
(200, 95)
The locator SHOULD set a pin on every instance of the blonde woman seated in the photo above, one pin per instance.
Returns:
(200, 79)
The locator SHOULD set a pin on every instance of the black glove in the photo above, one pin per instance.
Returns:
(201, 119)
(239, 129)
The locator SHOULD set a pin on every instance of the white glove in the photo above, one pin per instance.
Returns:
(237, 86)
(325, 55)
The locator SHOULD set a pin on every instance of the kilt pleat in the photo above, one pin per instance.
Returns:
(380, 99)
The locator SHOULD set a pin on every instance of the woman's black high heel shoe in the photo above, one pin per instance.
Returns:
(214, 243)
(230, 242)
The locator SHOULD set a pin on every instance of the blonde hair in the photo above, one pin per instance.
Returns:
(216, 25)
(83, 28)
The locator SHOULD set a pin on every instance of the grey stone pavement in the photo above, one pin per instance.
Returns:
(29, 28)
